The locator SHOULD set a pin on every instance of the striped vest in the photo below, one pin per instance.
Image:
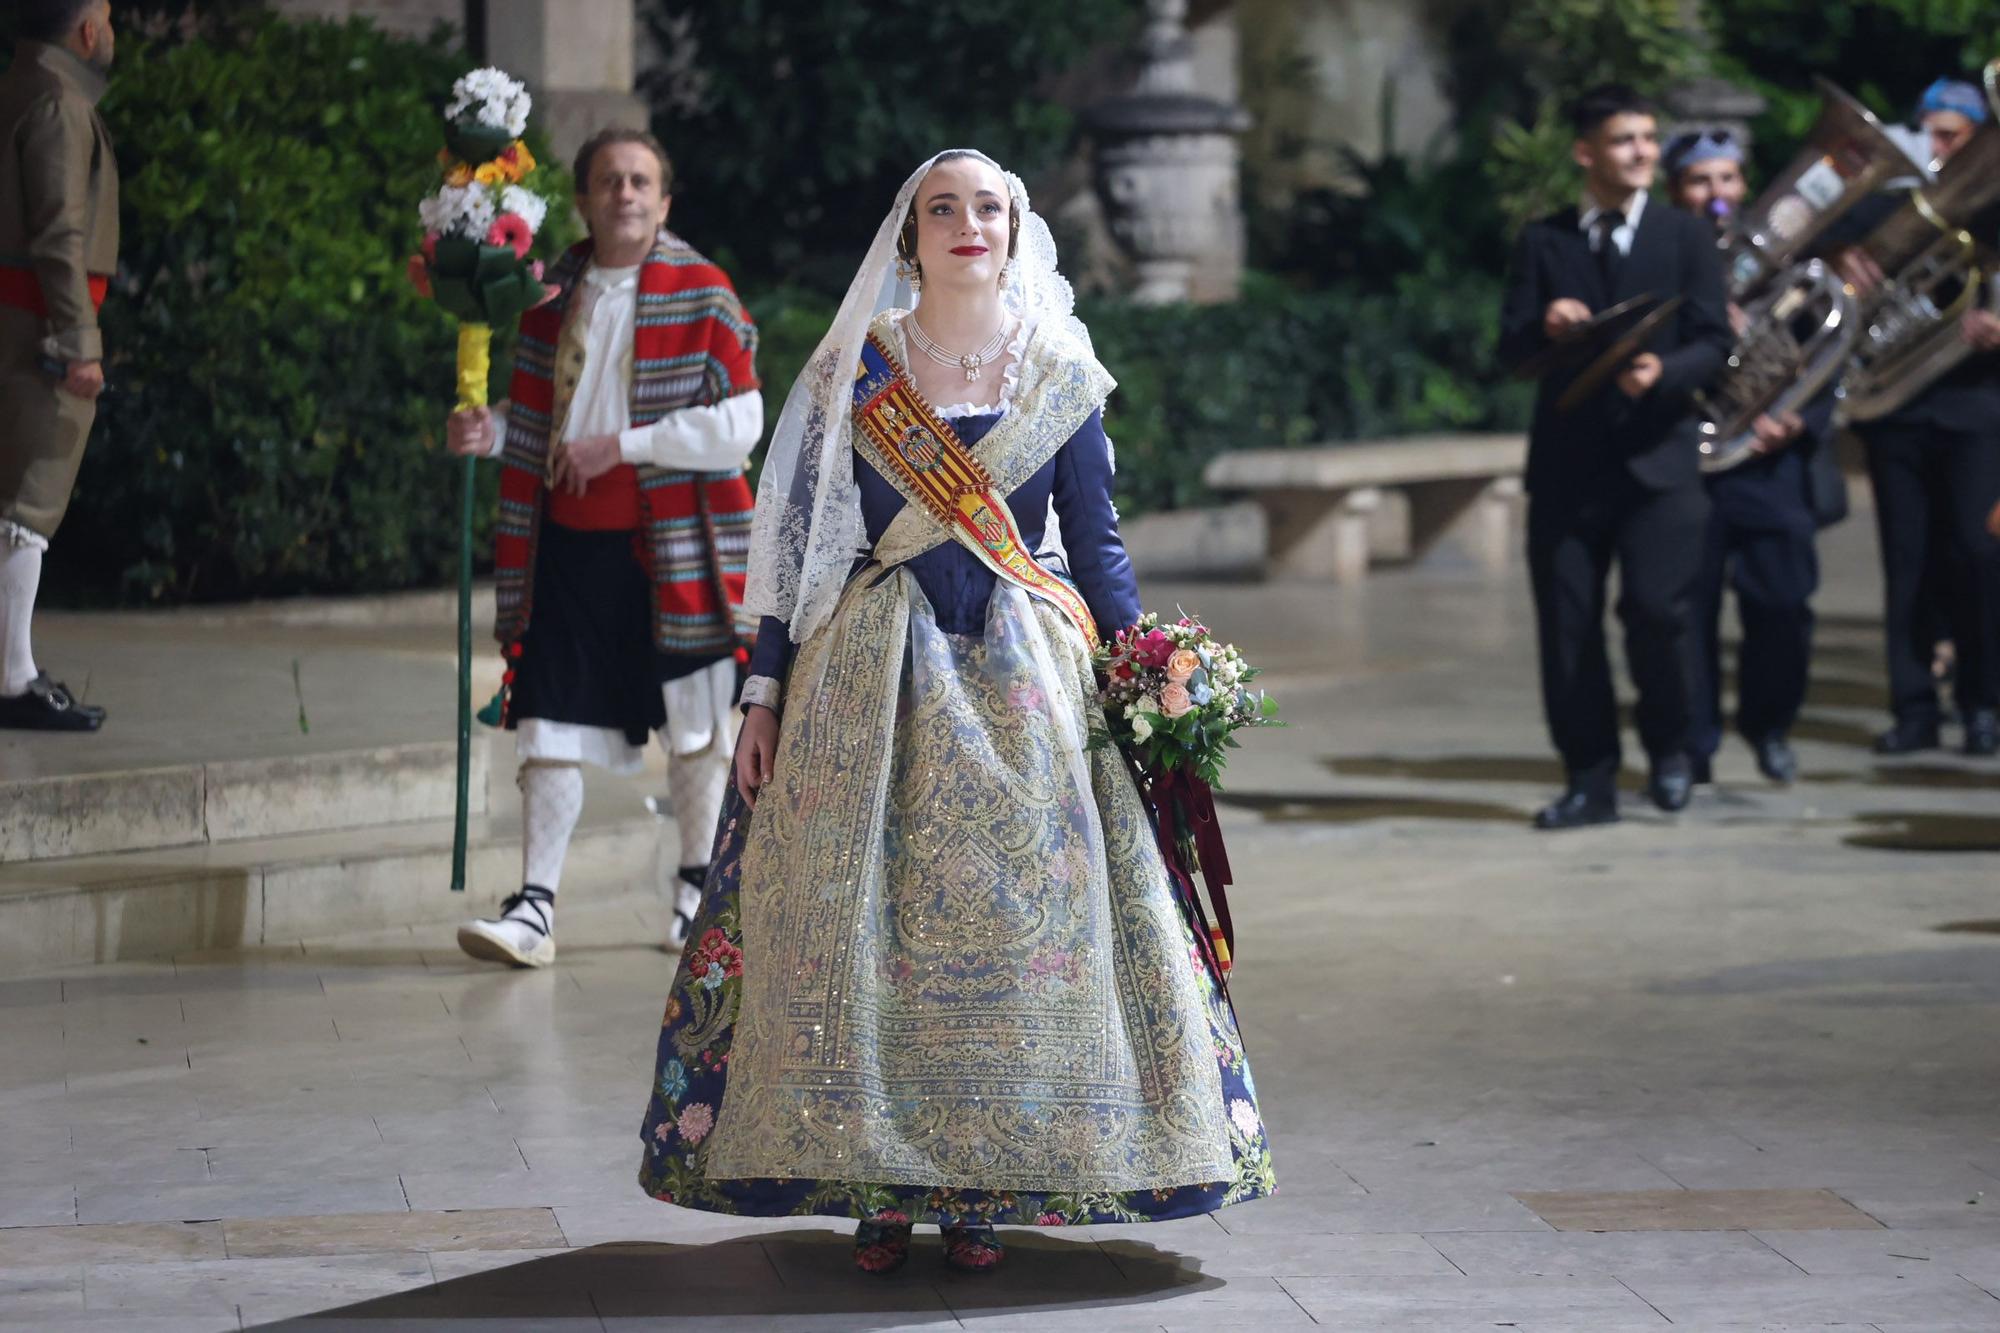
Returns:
(693, 346)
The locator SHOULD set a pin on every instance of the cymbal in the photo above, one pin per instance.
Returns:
(1615, 357)
(1585, 339)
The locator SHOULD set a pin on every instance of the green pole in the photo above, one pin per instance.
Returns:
(467, 476)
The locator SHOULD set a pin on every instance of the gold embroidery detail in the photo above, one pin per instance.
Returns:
(963, 966)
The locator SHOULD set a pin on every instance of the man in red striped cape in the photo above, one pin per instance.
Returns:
(624, 530)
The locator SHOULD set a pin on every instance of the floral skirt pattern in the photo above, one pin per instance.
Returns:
(918, 1142)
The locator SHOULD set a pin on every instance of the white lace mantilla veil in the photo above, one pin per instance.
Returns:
(808, 530)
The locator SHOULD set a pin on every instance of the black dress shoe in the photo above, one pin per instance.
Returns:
(1776, 761)
(1671, 782)
(1907, 737)
(48, 706)
(1982, 733)
(1578, 808)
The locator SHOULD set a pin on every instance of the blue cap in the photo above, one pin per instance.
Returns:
(1701, 146)
(1954, 95)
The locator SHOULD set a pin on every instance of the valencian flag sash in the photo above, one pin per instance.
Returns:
(908, 439)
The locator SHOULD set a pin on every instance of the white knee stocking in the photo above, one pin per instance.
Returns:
(695, 784)
(551, 800)
(20, 579)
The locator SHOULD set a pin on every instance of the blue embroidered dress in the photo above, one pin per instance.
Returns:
(942, 974)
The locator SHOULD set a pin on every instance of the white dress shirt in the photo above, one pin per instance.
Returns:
(1590, 210)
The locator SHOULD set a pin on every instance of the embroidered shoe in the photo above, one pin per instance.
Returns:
(973, 1249)
(520, 935)
(687, 901)
(881, 1247)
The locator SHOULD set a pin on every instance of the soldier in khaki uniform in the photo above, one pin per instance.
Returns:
(58, 248)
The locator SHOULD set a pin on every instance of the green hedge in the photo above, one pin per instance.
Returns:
(1279, 368)
(1283, 368)
(278, 392)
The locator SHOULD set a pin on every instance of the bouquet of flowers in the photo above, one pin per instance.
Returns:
(1173, 699)
(481, 222)
(1173, 696)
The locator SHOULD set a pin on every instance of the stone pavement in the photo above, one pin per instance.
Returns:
(1732, 1070)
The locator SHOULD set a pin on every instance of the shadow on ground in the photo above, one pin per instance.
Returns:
(1960, 974)
(1921, 831)
(784, 1279)
(1281, 808)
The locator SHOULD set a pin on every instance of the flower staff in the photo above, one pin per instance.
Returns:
(478, 229)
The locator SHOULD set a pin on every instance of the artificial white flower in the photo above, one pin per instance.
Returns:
(531, 207)
(458, 210)
(493, 98)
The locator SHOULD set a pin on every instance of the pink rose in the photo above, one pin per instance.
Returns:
(1174, 699)
(1183, 664)
(1154, 649)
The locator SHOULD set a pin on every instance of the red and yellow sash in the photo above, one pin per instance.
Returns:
(908, 441)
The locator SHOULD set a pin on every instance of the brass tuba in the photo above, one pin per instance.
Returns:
(1847, 157)
(1801, 321)
(1798, 335)
(1937, 268)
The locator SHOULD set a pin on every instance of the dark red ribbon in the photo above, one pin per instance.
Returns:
(1192, 798)
(1178, 800)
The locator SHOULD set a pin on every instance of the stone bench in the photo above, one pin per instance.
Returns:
(1326, 505)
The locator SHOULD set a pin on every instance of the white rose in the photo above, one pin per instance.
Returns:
(1141, 728)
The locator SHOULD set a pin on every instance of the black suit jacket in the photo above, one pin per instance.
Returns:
(1611, 437)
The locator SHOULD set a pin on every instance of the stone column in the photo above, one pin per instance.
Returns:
(1164, 159)
(576, 56)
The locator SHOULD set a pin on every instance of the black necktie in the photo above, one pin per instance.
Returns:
(1607, 249)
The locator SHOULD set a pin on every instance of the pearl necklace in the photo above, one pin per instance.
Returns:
(969, 362)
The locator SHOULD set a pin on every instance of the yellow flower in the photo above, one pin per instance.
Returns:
(458, 174)
(490, 173)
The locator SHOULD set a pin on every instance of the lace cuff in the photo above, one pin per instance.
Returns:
(766, 690)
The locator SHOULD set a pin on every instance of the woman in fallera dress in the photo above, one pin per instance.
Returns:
(940, 973)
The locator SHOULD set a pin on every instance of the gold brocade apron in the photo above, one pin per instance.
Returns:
(964, 966)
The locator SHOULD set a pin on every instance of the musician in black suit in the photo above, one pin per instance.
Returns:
(1767, 511)
(1934, 464)
(1616, 478)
